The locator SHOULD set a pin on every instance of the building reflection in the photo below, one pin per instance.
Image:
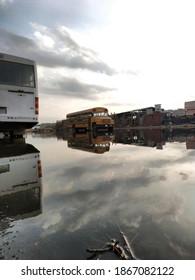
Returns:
(139, 137)
(155, 138)
(190, 142)
(20, 182)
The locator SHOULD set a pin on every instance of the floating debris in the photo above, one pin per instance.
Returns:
(127, 243)
(124, 252)
(111, 246)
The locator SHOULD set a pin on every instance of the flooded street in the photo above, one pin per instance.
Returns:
(60, 195)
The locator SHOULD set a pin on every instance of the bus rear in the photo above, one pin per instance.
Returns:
(18, 94)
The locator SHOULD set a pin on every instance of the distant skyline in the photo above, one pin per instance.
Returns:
(120, 54)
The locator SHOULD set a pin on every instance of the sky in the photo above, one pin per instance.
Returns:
(120, 54)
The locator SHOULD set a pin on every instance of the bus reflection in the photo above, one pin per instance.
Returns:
(20, 182)
(98, 143)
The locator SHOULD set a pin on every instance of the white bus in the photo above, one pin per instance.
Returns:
(19, 102)
(20, 180)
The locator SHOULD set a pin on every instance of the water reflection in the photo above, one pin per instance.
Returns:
(90, 142)
(20, 185)
(145, 182)
(149, 190)
(155, 137)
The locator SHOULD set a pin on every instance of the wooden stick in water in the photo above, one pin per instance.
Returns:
(126, 242)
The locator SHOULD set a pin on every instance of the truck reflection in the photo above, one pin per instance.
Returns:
(98, 143)
(20, 182)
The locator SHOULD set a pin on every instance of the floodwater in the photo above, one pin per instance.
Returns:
(60, 195)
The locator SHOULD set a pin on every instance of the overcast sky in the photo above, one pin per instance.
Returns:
(121, 54)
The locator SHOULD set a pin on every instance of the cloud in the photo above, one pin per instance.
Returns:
(130, 72)
(184, 175)
(56, 49)
(74, 172)
(47, 41)
(119, 104)
(2, 2)
(71, 87)
(16, 44)
(178, 248)
(53, 48)
(105, 196)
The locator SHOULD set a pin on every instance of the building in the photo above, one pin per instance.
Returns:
(190, 108)
(149, 116)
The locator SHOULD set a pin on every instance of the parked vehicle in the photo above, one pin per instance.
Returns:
(89, 120)
(18, 94)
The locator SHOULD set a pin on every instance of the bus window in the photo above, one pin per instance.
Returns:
(100, 114)
(16, 74)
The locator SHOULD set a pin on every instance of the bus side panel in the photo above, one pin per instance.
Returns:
(77, 124)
